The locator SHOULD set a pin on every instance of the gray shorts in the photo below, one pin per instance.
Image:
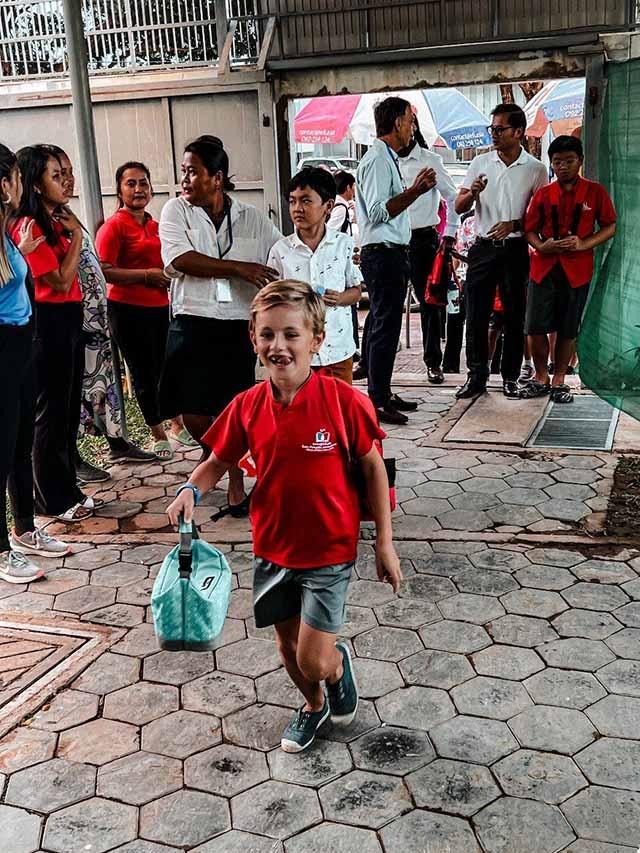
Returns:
(318, 596)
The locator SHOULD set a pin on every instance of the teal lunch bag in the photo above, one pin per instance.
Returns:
(190, 596)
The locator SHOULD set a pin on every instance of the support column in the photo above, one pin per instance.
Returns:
(222, 25)
(593, 106)
(83, 114)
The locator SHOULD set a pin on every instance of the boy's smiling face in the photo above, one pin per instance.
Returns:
(285, 343)
(307, 210)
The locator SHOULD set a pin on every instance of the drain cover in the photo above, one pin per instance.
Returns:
(40, 655)
(588, 423)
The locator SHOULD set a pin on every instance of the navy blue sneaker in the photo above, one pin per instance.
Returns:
(301, 731)
(343, 695)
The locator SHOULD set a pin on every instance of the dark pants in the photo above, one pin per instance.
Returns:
(17, 407)
(422, 251)
(59, 362)
(141, 335)
(508, 268)
(453, 346)
(385, 271)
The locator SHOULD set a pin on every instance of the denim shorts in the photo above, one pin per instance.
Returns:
(318, 596)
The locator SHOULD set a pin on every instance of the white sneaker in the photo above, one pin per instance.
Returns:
(16, 568)
(40, 542)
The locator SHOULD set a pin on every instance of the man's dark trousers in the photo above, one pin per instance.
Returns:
(422, 252)
(385, 271)
(504, 264)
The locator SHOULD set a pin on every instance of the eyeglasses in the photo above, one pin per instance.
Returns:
(499, 129)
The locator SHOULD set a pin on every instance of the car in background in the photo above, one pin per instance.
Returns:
(333, 164)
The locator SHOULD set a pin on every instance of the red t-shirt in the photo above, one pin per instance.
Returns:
(305, 508)
(123, 242)
(45, 259)
(596, 207)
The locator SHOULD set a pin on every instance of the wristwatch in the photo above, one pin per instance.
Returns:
(194, 489)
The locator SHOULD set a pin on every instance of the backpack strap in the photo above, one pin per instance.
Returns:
(331, 397)
(345, 228)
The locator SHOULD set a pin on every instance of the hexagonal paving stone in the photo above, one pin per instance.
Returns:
(140, 703)
(472, 501)
(605, 571)
(632, 588)
(545, 577)
(109, 672)
(181, 734)
(218, 693)
(406, 613)
(467, 607)
(576, 475)
(60, 580)
(369, 593)
(485, 582)
(96, 825)
(621, 676)
(250, 657)
(593, 596)
(20, 830)
(257, 727)
(515, 516)
(455, 787)
(495, 698)
(23, 747)
(539, 776)
(582, 846)
(523, 496)
(365, 799)
(604, 814)
(142, 846)
(465, 519)
(138, 642)
(276, 688)
(485, 485)
(425, 506)
(52, 785)
(276, 809)
(118, 574)
(185, 818)
(504, 561)
(564, 687)
(92, 559)
(422, 830)
(375, 678)
(612, 762)
(589, 624)
(539, 828)
(534, 602)
(430, 587)
(326, 760)
(225, 770)
(507, 662)
(366, 720)
(626, 643)
(436, 669)
(521, 631)
(529, 480)
(69, 708)
(84, 599)
(415, 707)
(560, 557)
(357, 620)
(587, 463)
(139, 778)
(460, 637)
(576, 653)
(563, 509)
(332, 837)
(177, 667)
(616, 716)
(392, 750)
(480, 741)
(391, 644)
(146, 554)
(447, 565)
(498, 471)
(448, 475)
(98, 742)
(236, 841)
(120, 615)
(571, 491)
(629, 614)
(435, 489)
(562, 730)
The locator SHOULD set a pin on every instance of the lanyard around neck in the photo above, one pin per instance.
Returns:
(227, 217)
(394, 160)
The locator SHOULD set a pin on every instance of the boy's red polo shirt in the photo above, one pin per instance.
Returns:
(123, 242)
(596, 207)
(46, 259)
(304, 509)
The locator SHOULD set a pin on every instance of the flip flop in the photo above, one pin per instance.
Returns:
(534, 389)
(78, 512)
(184, 437)
(92, 503)
(240, 510)
(163, 450)
(561, 394)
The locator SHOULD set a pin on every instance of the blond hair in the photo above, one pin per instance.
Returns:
(298, 294)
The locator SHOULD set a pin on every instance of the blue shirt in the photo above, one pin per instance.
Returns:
(15, 306)
(377, 180)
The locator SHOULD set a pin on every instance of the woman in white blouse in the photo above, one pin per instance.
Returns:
(214, 248)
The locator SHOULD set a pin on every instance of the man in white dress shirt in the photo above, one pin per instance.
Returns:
(501, 185)
(424, 215)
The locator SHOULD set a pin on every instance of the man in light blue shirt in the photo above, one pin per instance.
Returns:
(382, 200)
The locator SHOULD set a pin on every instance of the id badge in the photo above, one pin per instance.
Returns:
(223, 290)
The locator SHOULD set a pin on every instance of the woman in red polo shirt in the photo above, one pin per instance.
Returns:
(58, 350)
(138, 305)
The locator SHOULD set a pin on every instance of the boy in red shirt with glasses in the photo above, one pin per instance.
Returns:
(305, 507)
(560, 225)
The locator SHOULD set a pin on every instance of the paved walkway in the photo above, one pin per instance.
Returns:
(500, 690)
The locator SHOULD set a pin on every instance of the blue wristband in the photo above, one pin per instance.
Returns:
(194, 489)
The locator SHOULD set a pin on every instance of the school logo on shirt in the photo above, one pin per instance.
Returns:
(322, 442)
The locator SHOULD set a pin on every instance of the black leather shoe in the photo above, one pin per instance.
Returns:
(511, 389)
(360, 372)
(435, 375)
(471, 388)
(390, 415)
(402, 405)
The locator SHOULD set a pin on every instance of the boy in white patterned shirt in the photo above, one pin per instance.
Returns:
(323, 258)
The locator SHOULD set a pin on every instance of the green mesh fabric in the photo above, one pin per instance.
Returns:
(609, 340)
